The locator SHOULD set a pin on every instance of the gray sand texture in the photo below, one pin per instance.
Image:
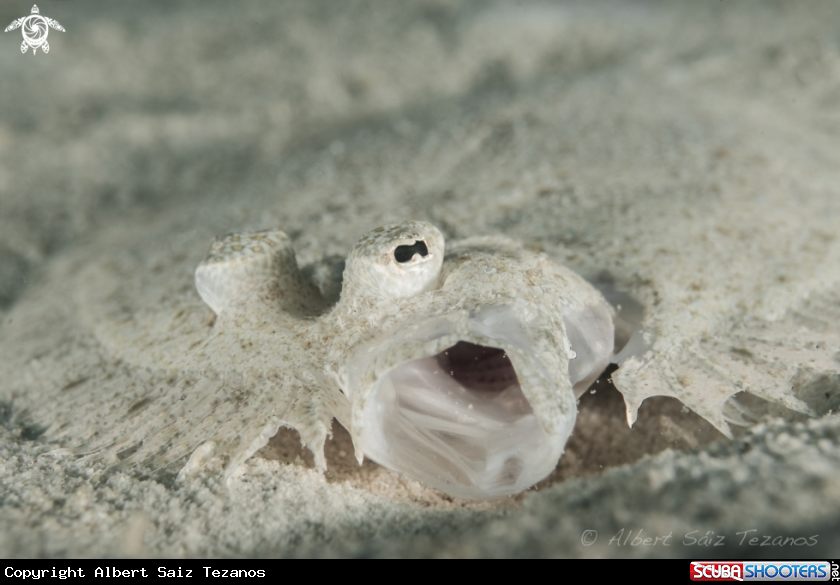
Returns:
(682, 156)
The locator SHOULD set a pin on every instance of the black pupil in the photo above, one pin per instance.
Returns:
(405, 253)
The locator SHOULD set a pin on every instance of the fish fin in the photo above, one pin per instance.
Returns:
(793, 362)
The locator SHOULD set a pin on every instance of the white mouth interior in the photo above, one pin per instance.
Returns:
(458, 421)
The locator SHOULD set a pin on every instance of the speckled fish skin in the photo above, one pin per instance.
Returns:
(175, 383)
(687, 149)
(277, 353)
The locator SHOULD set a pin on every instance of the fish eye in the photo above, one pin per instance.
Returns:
(404, 254)
(394, 261)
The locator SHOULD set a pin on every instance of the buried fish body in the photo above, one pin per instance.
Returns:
(459, 368)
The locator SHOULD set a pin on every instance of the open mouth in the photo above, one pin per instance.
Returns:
(460, 417)
(457, 417)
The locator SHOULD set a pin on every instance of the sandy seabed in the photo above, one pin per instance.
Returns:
(685, 152)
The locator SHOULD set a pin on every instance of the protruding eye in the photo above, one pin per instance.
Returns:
(404, 254)
(394, 261)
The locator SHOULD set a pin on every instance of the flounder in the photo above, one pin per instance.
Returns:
(458, 367)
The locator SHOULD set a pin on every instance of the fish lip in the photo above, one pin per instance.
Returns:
(512, 327)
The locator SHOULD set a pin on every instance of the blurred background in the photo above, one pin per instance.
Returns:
(143, 106)
(577, 127)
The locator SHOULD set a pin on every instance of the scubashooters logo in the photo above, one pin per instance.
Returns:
(35, 29)
(760, 571)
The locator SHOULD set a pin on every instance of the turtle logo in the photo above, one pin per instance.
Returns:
(35, 30)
